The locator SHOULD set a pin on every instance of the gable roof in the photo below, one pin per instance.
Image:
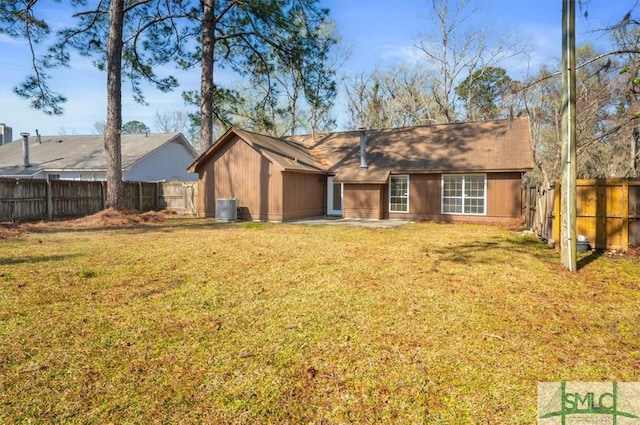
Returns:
(76, 153)
(499, 145)
(489, 146)
(287, 155)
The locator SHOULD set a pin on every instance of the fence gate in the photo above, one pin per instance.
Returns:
(178, 197)
(540, 211)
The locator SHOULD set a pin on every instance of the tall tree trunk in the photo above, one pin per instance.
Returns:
(206, 78)
(112, 134)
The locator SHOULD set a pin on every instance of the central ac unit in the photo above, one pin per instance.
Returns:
(226, 209)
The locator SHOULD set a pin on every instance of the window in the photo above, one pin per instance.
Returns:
(399, 194)
(53, 176)
(464, 194)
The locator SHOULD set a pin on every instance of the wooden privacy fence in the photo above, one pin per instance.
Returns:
(53, 199)
(179, 197)
(608, 212)
(538, 210)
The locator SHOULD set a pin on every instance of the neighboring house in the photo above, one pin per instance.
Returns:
(460, 171)
(145, 157)
(6, 134)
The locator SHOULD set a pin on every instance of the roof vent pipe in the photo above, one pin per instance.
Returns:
(25, 149)
(363, 149)
(38, 136)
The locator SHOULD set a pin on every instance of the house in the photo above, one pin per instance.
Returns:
(145, 157)
(6, 134)
(460, 171)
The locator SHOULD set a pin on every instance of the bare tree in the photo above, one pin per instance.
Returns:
(395, 97)
(602, 116)
(455, 50)
(174, 121)
(98, 127)
(626, 36)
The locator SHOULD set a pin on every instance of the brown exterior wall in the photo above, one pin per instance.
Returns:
(504, 199)
(266, 193)
(304, 195)
(363, 201)
(206, 205)
(424, 197)
(241, 172)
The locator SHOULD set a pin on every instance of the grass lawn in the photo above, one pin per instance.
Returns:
(193, 322)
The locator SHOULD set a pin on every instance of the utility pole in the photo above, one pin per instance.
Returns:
(568, 181)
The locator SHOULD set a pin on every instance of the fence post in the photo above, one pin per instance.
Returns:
(556, 213)
(625, 215)
(140, 196)
(49, 201)
(103, 185)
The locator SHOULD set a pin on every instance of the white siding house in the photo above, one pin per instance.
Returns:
(165, 163)
(145, 157)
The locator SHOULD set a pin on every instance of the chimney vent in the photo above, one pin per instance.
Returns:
(363, 149)
(25, 149)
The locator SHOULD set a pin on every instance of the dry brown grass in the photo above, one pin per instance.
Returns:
(186, 321)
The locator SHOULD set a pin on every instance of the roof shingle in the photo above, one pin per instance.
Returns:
(77, 152)
(500, 145)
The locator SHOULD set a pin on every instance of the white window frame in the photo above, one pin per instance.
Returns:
(87, 176)
(405, 196)
(464, 196)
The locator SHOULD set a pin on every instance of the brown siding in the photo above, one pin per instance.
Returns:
(384, 194)
(504, 199)
(304, 195)
(363, 201)
(206, 204)
(504, 195)
(241, 172)
(424, 198)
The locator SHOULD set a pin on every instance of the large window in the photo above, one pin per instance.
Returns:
(464, 194)
(399, 194)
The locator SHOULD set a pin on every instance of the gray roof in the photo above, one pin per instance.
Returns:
(79, 153)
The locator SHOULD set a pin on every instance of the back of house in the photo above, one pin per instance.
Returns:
(459, 171)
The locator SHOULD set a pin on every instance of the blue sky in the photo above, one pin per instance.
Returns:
(378, 33)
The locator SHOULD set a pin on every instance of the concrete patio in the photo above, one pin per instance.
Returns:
(339, 221)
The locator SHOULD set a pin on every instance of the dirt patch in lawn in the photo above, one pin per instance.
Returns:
(108, 218)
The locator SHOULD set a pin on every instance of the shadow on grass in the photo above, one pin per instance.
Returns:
(35, 259)
(165, 226)
(495, 249)
(590, 258)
